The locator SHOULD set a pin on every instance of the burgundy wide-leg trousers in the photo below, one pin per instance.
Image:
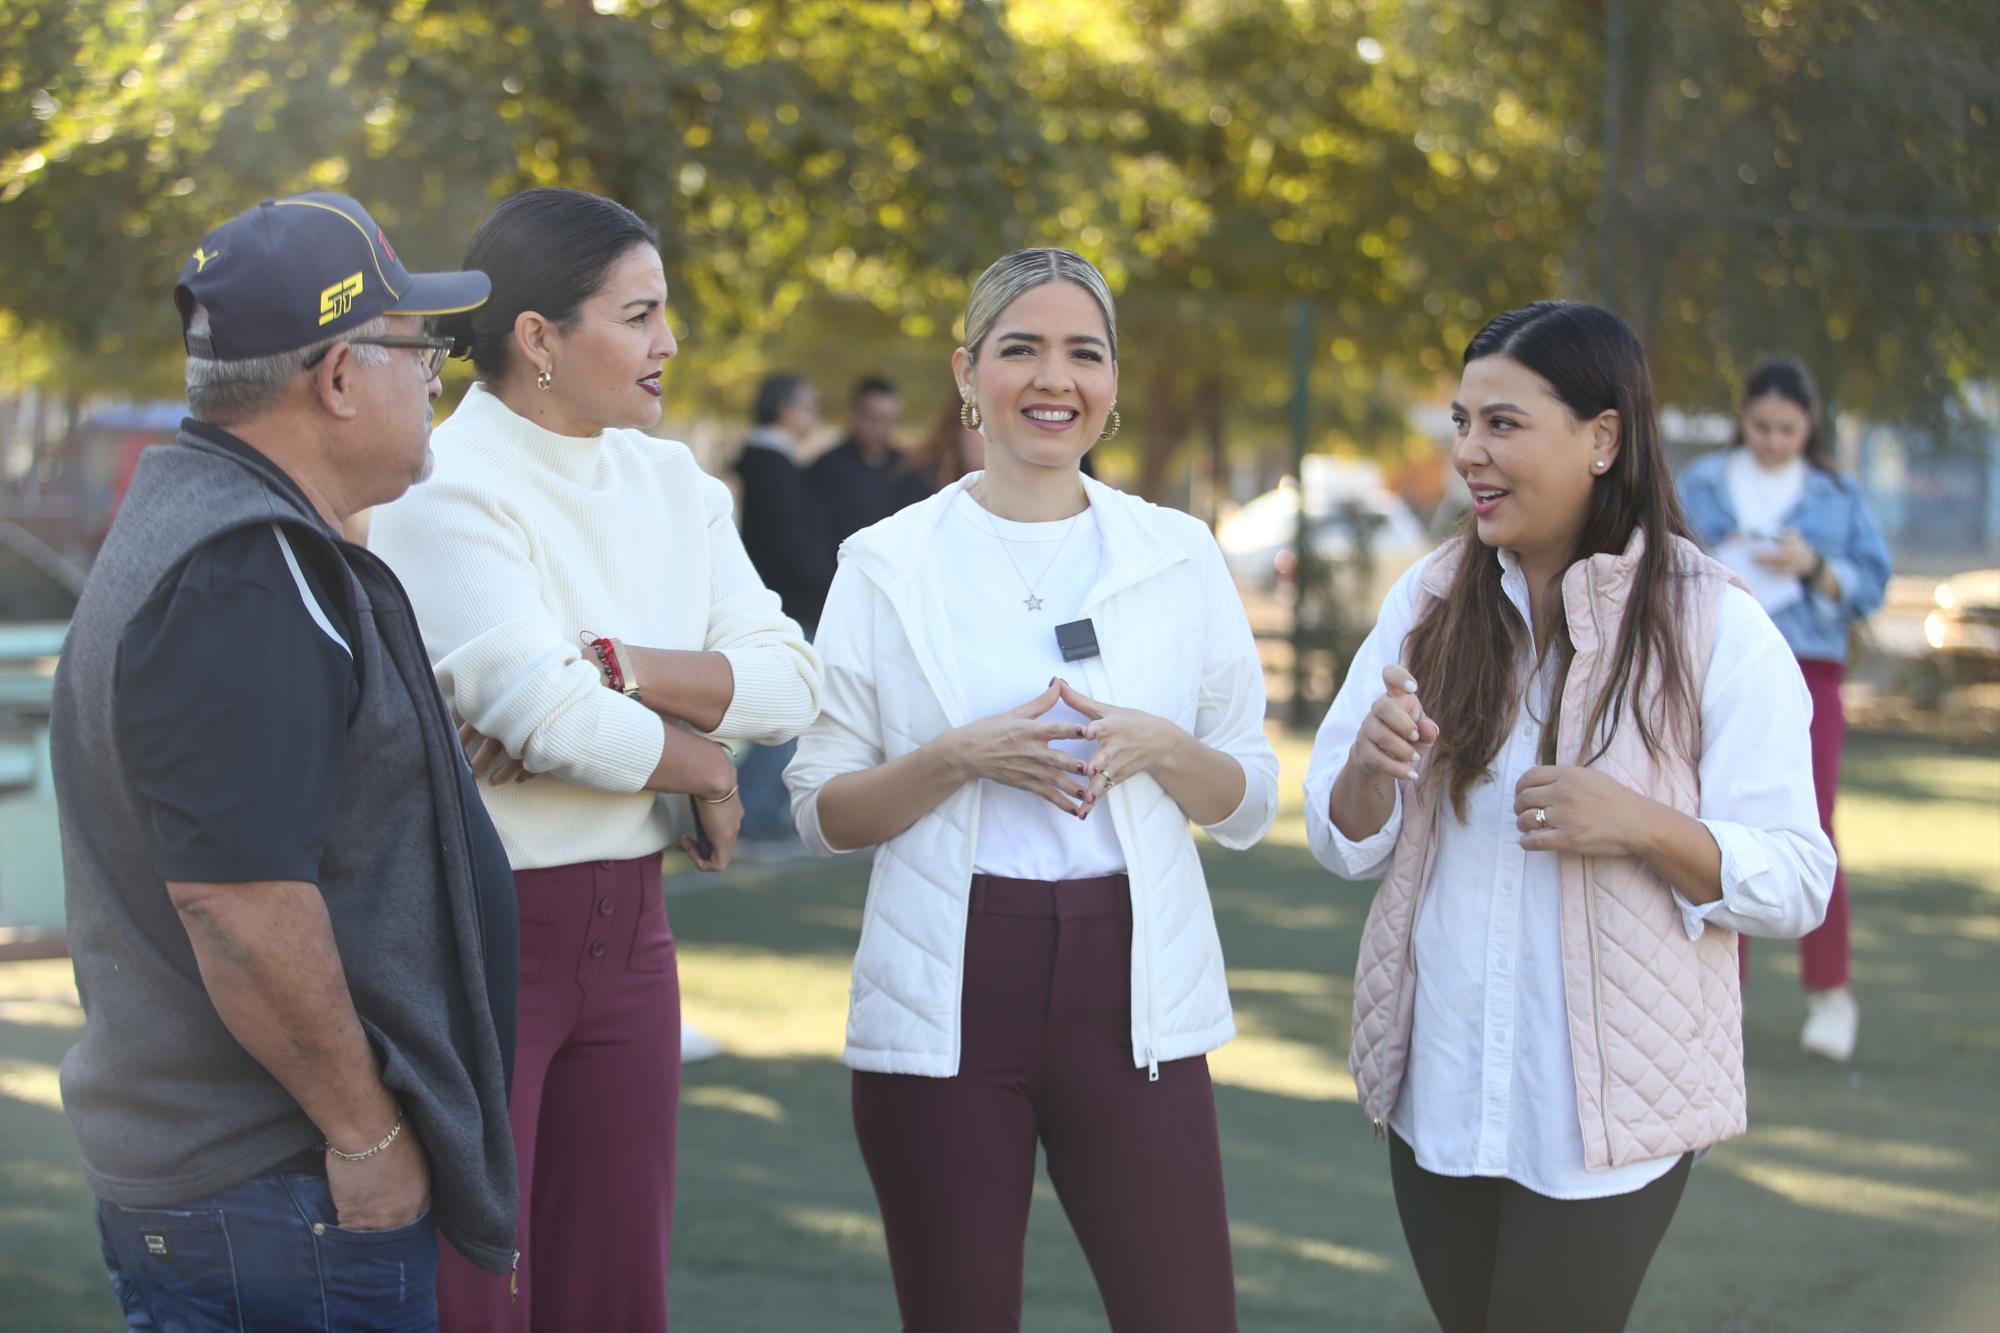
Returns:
(596, 1099)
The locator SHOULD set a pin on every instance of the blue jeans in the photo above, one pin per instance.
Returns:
(767, 806)
(267, 1255)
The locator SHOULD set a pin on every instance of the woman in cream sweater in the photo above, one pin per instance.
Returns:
(594, 621)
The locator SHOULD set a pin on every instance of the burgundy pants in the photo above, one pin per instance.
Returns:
(597, 1079)
(1046, 1056)
(1823, 953)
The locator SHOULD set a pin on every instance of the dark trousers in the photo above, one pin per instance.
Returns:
(1823, 952)
(1496, 1257)
(1046, 1057)
(597, 1078)
(767, 805)
(267, 1254)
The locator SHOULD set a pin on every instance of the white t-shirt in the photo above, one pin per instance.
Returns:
(1006, 656)
(1763, 498)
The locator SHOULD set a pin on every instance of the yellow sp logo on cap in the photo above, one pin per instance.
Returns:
(336, 300)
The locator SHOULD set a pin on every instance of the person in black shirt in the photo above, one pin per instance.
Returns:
(783, 529)
(236, 683)
(784, 534)
(855, 482)
(292, 923)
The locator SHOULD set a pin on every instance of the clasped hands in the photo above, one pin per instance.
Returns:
(1017, 748)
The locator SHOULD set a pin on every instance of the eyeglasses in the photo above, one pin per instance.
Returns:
(431, 351)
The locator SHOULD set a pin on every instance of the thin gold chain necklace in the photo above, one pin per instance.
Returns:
(1033, 600)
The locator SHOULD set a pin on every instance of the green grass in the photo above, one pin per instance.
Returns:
(1864, 1198)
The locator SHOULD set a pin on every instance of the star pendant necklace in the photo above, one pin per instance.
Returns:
(1032, 601)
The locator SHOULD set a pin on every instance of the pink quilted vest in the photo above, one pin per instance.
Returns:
(1655, 1019)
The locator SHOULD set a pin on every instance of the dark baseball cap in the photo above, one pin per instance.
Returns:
(292, 272)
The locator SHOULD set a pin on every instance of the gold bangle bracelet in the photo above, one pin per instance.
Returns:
(625, 669)
(723, 799)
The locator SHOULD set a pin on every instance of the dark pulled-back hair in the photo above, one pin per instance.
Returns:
(545, 250)
(1473, 640)
(1791, 381)
(775, 393)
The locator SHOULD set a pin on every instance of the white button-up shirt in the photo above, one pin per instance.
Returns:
(1490, 1089)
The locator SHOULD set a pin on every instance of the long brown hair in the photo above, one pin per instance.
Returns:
(1471, 641)
(939, 457)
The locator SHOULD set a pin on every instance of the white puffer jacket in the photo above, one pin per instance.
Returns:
(1173, 641)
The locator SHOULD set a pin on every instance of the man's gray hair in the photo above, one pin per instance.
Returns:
(223, 393)
(1023, 271)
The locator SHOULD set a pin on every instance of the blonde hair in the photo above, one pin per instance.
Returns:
(1023, 271)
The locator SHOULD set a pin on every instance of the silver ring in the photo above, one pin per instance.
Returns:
(1541, 816)
(1109, 781)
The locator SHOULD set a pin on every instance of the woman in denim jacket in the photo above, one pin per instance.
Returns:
(1774, 509)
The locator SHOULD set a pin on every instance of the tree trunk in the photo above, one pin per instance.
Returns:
(1169, 412)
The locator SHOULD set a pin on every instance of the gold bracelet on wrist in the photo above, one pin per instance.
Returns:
(629, 676)
(723, 799)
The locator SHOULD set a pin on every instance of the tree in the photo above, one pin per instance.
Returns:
(1811, 179)
(829, 176)
(781, 150)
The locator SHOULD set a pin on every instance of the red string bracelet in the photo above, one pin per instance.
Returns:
(607, 657)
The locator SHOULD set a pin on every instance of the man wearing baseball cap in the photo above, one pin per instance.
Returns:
(292, 923)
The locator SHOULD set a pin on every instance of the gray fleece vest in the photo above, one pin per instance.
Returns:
(167, 1106)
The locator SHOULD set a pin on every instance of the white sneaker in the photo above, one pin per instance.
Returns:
(1831, 1020)
(697, 1045)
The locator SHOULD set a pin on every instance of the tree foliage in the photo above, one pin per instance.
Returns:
(828, 175)
(1816, 179)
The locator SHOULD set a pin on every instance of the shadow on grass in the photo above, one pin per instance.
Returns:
(1921, 771)
(51, 1277)
(1864, 1198)
(778, 1229)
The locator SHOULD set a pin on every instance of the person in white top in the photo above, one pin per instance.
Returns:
(593, 619)
(1777, 510)
(1573, 743)
(1034, 683)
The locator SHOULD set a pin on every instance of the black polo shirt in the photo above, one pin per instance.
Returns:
(235, 684)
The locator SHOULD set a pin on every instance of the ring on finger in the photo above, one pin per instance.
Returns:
(1541, 816)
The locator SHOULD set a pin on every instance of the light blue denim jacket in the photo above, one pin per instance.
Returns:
(1833, 521)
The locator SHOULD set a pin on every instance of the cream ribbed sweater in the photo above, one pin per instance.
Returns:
(521, 540)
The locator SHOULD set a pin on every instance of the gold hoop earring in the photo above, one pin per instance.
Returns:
(545, 379)
(968, 415)
(1112, 429)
